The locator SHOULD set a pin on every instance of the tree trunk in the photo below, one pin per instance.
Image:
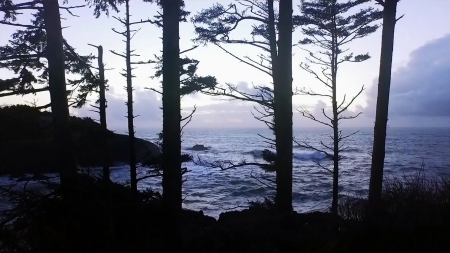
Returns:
(133, 179)
(171, 148)
(335, 123)
(283, 108)
(381, 118)
(58, 94)
(104, 134)
(102, 108)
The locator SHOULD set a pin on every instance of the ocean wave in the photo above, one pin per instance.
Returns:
(352, 150)
(299, 155)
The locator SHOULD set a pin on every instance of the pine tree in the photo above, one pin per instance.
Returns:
(328, 26)
(129, 88)
(214, 25)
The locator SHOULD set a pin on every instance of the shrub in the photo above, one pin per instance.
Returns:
(414, 213)
(91, 220)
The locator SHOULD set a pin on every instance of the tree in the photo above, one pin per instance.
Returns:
(171, 160)
(327, 26)
(102, 112)
(214, 25)
(25, 55)
(384, 83)
(57, 88)
(190, 82)
(129, 87)
(43, 39)
(283, 108)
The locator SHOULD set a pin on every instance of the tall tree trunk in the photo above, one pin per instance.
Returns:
(104, 133)
(381, 118)
(335, 122)
(58, 94)
(171, 148)
(133, 179)
(102, 108)
(276, 87)
(283, 108)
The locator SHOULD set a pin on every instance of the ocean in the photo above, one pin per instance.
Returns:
(213, 190)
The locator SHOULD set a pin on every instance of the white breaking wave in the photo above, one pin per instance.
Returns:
(301, 155)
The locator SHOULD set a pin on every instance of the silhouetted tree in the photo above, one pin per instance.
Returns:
(129, 87)
(283, 108)
(57, 88)
(102, 85)
(384, 83)
(190, 82)
(218, 22)
(327, 25)
(43, 39)
(102, 111)
(171, 160)
(24, 53)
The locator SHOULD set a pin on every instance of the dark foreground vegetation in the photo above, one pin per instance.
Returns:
(414, 218)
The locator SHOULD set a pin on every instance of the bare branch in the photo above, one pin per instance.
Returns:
(20, 25)
(241, 60)
(121, 55)
(187, 50)
(24, 92)
(351, 101)
(399, 18)
(307, 114)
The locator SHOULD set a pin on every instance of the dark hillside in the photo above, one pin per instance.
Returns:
(26, 142)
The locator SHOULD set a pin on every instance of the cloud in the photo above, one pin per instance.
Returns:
(422, 87)
(146, 107)
(218, 114)
(419, 96)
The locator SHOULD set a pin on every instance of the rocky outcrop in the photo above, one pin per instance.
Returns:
(120, 149)
(38, 156)
(198, 147)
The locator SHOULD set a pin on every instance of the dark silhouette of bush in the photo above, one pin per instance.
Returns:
(46, 223)
(413, 217)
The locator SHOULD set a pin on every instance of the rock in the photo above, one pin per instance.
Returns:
(120, 149)
(198, 147)
(38, 176)
(23, 179)
(39, 156)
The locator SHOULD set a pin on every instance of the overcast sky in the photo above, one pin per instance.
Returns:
(420, 84)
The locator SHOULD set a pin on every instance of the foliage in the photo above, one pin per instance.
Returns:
(25, 55)
(190, 81)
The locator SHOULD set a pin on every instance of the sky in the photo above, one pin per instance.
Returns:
(420, 90)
